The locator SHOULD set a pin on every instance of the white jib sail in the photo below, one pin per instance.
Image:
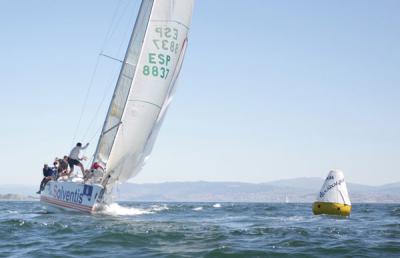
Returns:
(127, 140)
(334, 189)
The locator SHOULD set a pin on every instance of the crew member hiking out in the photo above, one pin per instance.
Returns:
(74, 159)
(47, 176)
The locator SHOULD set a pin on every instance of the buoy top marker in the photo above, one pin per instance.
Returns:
(334, 189)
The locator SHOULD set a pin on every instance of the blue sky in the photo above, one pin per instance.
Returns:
(268, 90)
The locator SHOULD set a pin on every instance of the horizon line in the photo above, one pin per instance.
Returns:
(223, 181)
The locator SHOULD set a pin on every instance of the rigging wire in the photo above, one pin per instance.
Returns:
(105, 94)
(95, 71)
(85, 102)
(112, 78)
(113, 75)
(95, 133)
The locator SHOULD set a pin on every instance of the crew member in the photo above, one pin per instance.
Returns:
(47, 176)
(62, 168)
(74, 159)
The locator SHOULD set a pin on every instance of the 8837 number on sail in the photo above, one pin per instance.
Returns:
(165, 44)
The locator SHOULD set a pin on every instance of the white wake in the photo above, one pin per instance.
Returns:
(115, 209)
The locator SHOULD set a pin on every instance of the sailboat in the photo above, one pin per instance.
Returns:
(333, 199)
(142, 94)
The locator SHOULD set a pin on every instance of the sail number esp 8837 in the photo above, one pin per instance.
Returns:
(165, 44)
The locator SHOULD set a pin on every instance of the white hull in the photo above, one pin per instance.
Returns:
(72, 196)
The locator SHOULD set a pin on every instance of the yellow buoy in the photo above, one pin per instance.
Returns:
(331, 208)
(333, 199)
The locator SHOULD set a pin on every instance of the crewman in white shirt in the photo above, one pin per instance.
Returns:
(74, 159)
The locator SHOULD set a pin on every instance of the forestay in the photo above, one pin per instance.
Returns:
(145, 86)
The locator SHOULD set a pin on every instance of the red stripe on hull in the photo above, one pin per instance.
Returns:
(74, 206)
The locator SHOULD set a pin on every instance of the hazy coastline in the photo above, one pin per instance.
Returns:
(298, 190)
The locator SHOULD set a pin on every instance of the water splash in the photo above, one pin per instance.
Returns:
(159, 207)
(114, 209)
(198, 208)
(217, 205)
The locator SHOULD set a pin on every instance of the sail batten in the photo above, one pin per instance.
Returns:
(145, 87)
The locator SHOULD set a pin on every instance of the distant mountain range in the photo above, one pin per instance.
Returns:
(293, 190)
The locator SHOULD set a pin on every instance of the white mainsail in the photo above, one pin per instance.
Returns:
(145, 86)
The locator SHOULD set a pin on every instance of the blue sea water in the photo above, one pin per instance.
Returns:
(133, 229)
